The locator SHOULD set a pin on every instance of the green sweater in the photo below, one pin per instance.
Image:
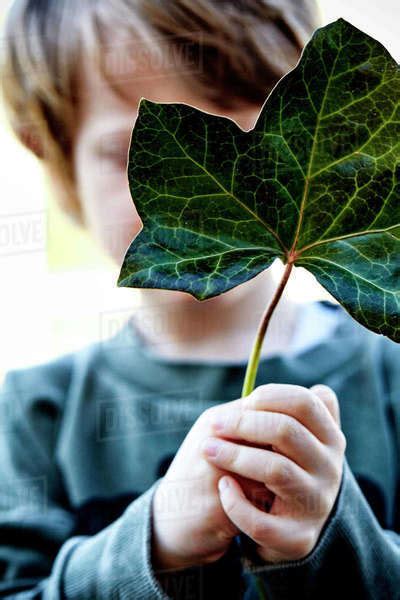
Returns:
(85, 439)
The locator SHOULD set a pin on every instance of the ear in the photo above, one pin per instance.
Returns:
(64, 190)
(29, 137)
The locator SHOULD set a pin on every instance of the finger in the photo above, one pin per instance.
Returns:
(279, 474)
(279, 538)
(286, 434)
(269, 531)
(298, 402)
(329, 398)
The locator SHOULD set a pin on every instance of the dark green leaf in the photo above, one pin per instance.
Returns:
(316, 182)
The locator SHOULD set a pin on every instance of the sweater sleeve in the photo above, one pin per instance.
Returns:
(41, 555)
(40, 558)
(354, 556)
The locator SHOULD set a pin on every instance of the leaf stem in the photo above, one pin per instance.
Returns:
(261, 591)
(252, 366)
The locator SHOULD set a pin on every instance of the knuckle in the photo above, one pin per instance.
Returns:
(342, 442)
(258, 530)
(331, 395)
(247, 402)
(287, 430)
(333, 474)
(324, 391)
(333, 406)
(327, 395)
(302, 394)
(304, 544)
(338, 443)
(280, 474)
(230, 454)
(309, 405)
(207, 416)
(330, 466)
(256, 398)
(239, 420)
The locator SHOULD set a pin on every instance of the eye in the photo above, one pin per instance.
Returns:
(117, 154)
(113, 151)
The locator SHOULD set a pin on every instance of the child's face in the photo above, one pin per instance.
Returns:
(102, 141)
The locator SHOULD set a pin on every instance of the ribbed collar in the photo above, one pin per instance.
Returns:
(127, 353)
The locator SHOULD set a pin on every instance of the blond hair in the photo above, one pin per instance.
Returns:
(243, 46)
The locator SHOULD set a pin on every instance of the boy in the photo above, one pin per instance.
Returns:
(191, 490)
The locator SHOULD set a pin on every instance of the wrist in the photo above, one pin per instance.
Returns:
(163, 559)
(163, 556)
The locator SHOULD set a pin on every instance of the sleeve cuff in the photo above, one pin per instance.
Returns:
(115, 563)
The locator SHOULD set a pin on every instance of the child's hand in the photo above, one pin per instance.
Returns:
(304, 470)
(190, 526)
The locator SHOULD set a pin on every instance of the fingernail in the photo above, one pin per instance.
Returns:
(223, 484)
(211, 447)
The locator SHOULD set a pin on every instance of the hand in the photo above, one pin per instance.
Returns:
(303, 469)
(190, 526)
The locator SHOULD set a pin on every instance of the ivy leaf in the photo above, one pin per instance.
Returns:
(315, 183)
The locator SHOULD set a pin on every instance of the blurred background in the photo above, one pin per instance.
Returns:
(58, 292)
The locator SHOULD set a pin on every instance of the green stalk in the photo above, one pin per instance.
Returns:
(252, 366)
(261, 591)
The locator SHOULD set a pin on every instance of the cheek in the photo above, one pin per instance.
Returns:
(109, 212)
